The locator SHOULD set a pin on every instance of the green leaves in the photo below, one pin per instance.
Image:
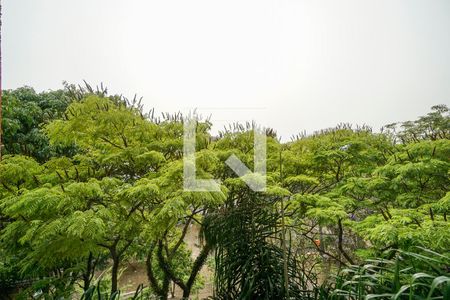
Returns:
(39, 204)
(143, 191)
(405, 228)
(87, 225)
(24, 111)
(17, 172)
(104, 179)
(321, 209)
(401, 277)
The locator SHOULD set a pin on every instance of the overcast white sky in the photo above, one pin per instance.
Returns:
(291, 65)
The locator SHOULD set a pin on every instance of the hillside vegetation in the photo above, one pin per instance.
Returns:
(90, 181)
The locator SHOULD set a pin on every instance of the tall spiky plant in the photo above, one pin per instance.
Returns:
(249, 255)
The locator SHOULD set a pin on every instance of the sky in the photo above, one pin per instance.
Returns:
(293, 65)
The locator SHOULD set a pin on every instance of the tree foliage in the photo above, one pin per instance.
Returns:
(90, 181)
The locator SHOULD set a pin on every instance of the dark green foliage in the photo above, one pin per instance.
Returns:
(24, 113)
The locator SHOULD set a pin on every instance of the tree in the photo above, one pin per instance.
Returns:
(407, 195)
(24, 112)
(143, 154)
(317, 170)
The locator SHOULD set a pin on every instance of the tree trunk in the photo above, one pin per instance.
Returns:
(87, 274)
(340, 242)
(165, 288)
(165, 266)
(116, 255)
(160, 290)
(115, 270)
(198, 264)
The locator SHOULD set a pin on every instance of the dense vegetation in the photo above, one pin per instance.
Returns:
(89, 181)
